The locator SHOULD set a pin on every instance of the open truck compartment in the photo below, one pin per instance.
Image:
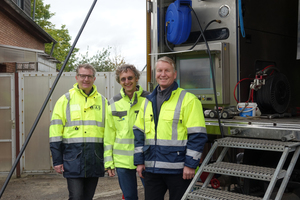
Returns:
(231, 53)
(244, 38)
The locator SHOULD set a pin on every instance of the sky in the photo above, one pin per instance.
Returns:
(120, 24)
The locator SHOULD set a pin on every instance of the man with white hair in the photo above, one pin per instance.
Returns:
(170, 135)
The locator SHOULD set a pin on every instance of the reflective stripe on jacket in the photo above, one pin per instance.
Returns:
(119, 138)
(76, 133)
(174, 139)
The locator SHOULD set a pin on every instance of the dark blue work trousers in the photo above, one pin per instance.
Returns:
(156, 186)
(82, 188)
(128, 183)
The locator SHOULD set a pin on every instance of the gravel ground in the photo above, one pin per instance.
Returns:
(54, 186)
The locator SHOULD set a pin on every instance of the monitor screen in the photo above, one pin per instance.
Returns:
(194, 74)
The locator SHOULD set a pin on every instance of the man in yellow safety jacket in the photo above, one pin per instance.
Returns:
(76, 135)
(118, 137)
(170, 135)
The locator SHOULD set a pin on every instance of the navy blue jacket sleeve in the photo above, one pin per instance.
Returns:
(139, 139)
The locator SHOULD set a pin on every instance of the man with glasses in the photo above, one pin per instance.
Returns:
(76, 135)
(119, 139)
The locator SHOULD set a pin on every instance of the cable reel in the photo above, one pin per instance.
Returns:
(275, 95)
(179, 21)
(273, 92)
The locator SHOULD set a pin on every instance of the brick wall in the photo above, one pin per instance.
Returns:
(12, 34)
(10, 67)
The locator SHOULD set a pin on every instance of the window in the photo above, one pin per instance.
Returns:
(20, 3)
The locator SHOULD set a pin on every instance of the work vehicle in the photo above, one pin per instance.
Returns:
(243, 54)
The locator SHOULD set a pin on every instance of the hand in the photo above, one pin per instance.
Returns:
(188, 173)
(59, 168)
(111, 172)
(140, 169)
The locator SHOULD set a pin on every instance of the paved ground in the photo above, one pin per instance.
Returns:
(54, 186)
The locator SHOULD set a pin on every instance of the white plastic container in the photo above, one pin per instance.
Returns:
(249, 111)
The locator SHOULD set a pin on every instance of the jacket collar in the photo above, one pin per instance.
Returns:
(138, 92)
(75, 86)
(152, 96)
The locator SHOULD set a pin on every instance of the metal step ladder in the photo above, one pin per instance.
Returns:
(245, 171)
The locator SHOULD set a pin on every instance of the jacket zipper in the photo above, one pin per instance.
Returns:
(155, 138)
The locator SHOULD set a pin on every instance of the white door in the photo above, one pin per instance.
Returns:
(7, 122)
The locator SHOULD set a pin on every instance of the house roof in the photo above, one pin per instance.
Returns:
(19, 54)
(12, 10)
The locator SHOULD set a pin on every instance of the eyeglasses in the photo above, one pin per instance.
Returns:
(129, 78)
(83, 76)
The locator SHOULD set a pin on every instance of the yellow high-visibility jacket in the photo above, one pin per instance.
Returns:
(118, 137)
(76, 133)
(174, 139)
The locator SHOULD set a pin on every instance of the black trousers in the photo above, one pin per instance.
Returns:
(82, 188)
(156, 186)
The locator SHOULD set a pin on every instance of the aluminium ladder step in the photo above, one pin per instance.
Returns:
(244, 171)
(258, 144)
(216, 194)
